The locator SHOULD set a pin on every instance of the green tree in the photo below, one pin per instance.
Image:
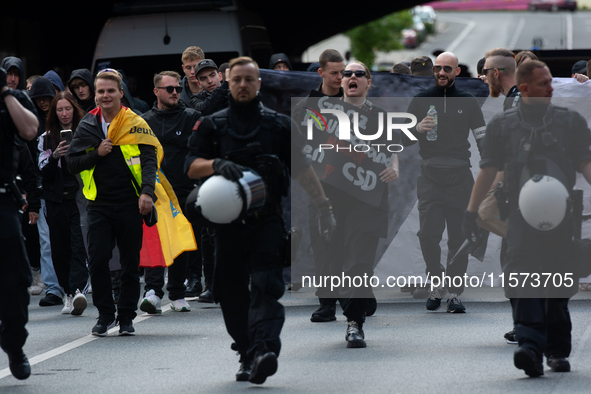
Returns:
(383, 34)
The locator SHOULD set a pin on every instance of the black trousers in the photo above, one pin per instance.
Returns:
(31, 234)
(251, 253)
(15, 278)
(543, 325)
(208, 254)
(177, 273)
(122, 224)
(443, 198)
(349, 254)
(68, 252)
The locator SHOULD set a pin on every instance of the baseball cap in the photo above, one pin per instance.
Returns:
(422, 66)
(580, 67)
(205, 63)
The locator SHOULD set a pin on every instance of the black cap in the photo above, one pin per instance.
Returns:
(205, 63)
(422, 66)
(580, 67)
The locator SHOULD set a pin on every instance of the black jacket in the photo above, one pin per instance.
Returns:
(11, 61)
(57, 180)
(173, 129)
(42, 87)
(208, 103)
(111, 174)
(85, 75)
(458, 112)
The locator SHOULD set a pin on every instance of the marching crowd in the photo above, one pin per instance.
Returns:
(88, 186)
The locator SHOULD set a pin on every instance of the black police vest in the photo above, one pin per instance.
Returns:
(257, 149)
(550, 152)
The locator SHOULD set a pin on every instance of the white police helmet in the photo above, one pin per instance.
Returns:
(220, 201)
(543, 202)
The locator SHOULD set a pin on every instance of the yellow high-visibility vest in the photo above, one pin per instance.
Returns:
(131, 153)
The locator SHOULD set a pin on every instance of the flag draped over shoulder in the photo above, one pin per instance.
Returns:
(173, 234)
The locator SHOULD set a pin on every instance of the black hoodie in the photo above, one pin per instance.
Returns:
(12, 61)
(85, 75)
(42, 87)
(173, 129)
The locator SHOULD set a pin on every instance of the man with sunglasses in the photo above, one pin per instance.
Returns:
(499, 69)
(114, 150)
(445, 181)
(172, 122)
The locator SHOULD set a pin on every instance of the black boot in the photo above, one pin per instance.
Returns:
(243, 373)
(19, 365)
(207, 295)
(194, 287)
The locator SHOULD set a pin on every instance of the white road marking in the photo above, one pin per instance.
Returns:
(77, 343)
(471, 25)
(517, 33)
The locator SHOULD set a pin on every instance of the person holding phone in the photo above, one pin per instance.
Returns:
(60, 188)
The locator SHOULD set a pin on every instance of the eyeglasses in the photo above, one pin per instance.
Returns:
(486, 70)
(447, 69)
(358, 73)
(171, 89)
(108, 70)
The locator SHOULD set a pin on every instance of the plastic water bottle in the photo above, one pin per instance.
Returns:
(432, 134)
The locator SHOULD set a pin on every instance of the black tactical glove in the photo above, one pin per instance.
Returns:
(470, 228)
(326, 221)
(227, 169)
(2, 78)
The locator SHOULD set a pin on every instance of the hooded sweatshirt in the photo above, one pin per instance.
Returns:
(42, 87)
(12, 61)
(55, 80)
(277, 58)
(85, 75)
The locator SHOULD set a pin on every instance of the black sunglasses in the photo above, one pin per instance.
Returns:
(358, 73)
(486, 70)
(171, 89)
(447, 69)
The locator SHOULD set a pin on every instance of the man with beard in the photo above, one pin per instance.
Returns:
(445, 182)
(248, 279)
(499, 69)
(172, 122)
(535, 138)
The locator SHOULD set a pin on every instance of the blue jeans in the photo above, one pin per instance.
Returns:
(47, 271)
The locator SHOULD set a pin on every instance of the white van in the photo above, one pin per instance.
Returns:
(143, 45)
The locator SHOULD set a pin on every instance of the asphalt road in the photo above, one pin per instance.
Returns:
(409, 350)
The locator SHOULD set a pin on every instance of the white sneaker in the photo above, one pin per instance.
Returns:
(37, 286)
(180, 305)
(79, 303)
(151, 303)
(67, 309)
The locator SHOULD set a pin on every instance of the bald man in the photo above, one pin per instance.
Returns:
(446, 181)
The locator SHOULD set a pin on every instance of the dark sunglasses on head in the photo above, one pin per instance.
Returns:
(108, 70)
(358, 73)
(447, 69)
(171, 89)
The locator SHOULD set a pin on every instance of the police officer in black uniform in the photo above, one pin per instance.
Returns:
(535, 138)
(17, 124)
(224, 143)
